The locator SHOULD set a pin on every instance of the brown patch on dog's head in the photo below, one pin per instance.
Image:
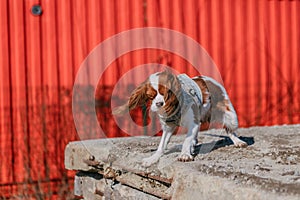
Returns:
(170, 88)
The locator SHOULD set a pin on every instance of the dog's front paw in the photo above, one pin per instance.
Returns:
(147, 162)
(240, 144)
(185, 157)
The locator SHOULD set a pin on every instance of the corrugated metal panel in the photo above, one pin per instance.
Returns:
(255, 44)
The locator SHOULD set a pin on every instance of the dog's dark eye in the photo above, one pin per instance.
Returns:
(151, 97)
(151, 94)
(162, 89)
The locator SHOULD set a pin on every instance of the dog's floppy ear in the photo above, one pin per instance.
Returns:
(137, 98)
(170, 80)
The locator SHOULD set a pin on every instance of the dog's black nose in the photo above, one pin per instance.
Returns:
(159, 104)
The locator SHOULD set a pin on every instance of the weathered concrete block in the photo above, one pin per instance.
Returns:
(268, 168)
(95, 186)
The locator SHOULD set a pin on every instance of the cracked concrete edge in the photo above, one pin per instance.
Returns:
(99, 149)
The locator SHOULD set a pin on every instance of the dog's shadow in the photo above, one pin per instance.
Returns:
(214, 145)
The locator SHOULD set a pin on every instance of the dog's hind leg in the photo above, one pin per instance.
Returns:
(236, 141)
(222, 110)
(231, 125)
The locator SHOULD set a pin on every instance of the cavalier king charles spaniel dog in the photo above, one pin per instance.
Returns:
(187, 102)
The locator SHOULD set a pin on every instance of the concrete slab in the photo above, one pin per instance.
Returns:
(268, 167)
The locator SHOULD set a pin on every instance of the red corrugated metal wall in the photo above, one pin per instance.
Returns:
(255, 44)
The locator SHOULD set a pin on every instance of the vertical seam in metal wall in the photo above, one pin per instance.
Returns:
(221, 45)
(101, 32)
(208, 22)
(258, 61)
(233, 60)
(198, 37)
(244, 39)
(145, 13)
(115, 31)
(10, 93)
(266, 48)
(86, 40)
(27, 162)
(58, 134)
(171, 23)
(279, 78)
(184, 31)
(291, 86)
(43, 103)
(72, 44)
(160, 23)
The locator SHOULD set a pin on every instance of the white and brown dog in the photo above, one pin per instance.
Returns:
(182, 101)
